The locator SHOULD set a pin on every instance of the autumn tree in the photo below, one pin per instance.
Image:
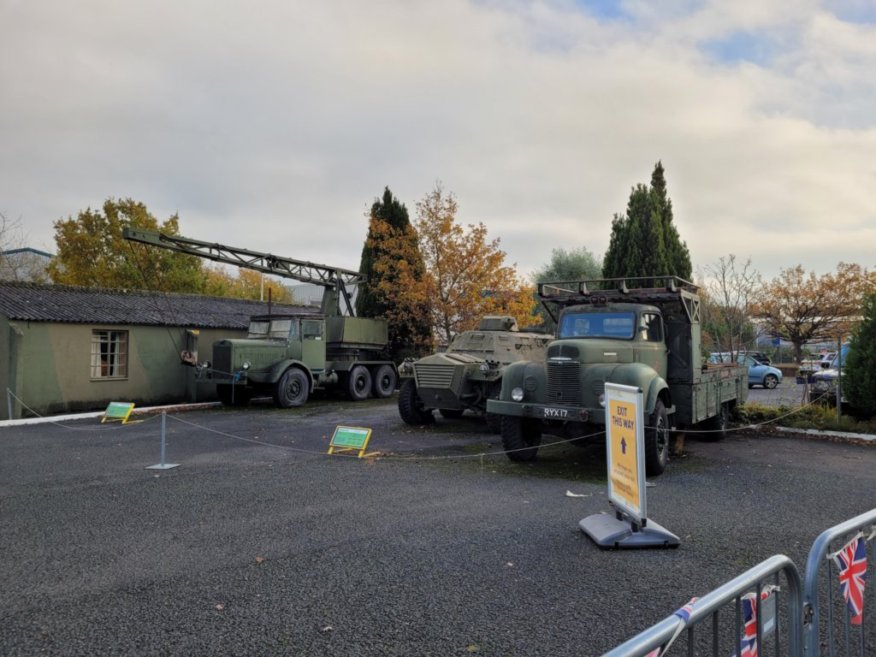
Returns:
(801, 307)
(859, 377)
(466, 275)
(93, 253)
(244, 284)
(644, 241)
(394, 267)
(572, 265)
(728, 289)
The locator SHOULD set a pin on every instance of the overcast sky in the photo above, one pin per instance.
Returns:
(274, 125)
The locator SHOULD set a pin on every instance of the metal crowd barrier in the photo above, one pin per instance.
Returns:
(715, 624)
(810, 618)
(827, 622)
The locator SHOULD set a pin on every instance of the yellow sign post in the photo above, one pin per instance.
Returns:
(629, 526)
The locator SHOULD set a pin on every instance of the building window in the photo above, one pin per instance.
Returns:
(109, 354)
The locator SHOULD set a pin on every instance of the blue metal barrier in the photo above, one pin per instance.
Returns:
(827, 621)
(724, 637)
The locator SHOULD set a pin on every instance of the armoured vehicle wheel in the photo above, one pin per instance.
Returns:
(770, 381)
(451, 413)
(410, 407)
(657, 441)
(718, 425)
(520, 437)
(292, 389)
(359, 383)
(233, 395)
(384, 381)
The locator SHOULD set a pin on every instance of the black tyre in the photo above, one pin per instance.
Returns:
(384, 381)
(521, 438)
(657, 441)
(494, 422)
(359, 383)
(233, 395)
(716, 427)
(410, 407)
(770, 381)
(451, 413)
(292, 389)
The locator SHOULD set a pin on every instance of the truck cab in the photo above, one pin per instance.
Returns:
(243, 366)
(615, 333)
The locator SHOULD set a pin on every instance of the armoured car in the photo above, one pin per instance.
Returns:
(468, 373)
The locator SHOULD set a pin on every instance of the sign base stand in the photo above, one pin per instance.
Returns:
(609, 532)
(162, 466)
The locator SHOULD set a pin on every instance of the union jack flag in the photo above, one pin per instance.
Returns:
(749, 626)
(852, 562)
(748, 642)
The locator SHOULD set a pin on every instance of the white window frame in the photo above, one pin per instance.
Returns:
(109, 354)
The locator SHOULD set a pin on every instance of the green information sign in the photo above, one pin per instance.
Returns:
(349, 439)
(117, 412)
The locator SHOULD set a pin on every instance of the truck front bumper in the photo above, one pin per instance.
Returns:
(546, 412)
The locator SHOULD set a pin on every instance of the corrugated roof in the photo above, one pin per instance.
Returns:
(79, 305)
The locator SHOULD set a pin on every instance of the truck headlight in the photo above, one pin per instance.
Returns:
(246, 365)
(517, 394)
(485, 367)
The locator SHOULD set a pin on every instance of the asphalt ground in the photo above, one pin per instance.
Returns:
(261, 544)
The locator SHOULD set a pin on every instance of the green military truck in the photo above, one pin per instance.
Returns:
(468, 373)
(610, 331)
(289, 356)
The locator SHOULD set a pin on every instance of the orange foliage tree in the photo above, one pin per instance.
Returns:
(247, 284)
(801, 307)
(466, 273)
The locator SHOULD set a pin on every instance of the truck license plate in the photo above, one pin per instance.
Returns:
(556, 413)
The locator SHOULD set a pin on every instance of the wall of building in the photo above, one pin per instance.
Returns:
(50, 367)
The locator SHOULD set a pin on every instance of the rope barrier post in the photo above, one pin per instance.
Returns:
(162, 465)
(9, 403)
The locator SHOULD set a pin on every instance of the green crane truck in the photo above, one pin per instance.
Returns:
(609, 331)
(289, 356)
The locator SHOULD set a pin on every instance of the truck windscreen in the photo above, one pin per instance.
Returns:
(618, 325)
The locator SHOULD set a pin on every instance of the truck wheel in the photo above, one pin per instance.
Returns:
(292, 389)
(657, 441)
(717, 426)
(494, 422)
(384, 381)
(359, 383)
(521, 437)
(770, 381)
(451, 413)
(410, 406)
(233, 395)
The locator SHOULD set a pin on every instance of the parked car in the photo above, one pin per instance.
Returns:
(760, 357)
(827, 360)
(824, 381)
(759, 374)
(726, 356)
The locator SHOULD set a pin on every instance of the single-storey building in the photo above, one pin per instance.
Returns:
(65, 349)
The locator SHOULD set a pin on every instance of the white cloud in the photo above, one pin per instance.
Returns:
(275, 126)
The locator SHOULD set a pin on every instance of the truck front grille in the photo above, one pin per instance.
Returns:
(434, 376)
(563, 382)
(221, 359)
